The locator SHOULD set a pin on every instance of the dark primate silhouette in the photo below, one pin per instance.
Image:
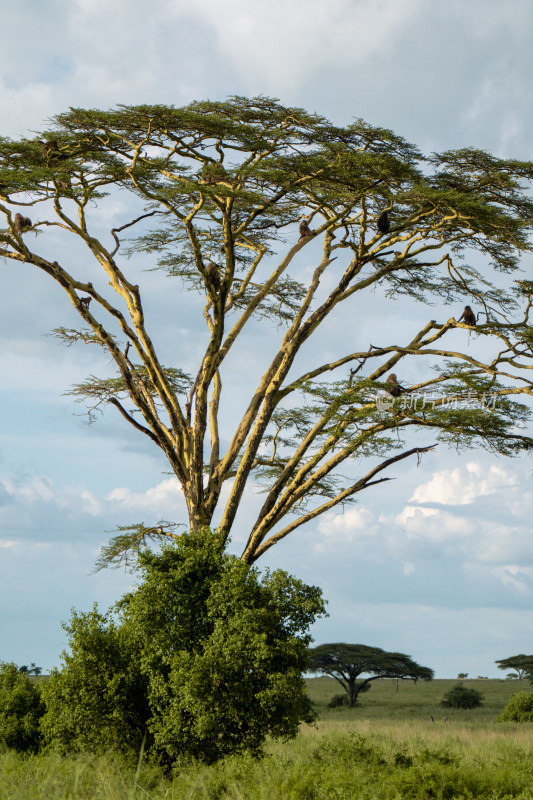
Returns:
(383, 222)
(305, 230)
(21, 223)
(84, 301)
(393, 387)
(468, 316)
(212, 274)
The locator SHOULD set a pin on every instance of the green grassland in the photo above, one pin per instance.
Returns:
(394, 701)
(387, 748)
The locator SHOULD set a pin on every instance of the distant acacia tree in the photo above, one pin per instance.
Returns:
(31, 670)
(225, 198)
(521, 664)
(346, 662)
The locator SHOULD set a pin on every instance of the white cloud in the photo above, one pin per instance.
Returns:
(163, 499)
(433, 523)
(286, 45)
(463, 485)
(35, 96)
(514, 575)
(521, 503)
(32, 490)
(38, 491)
(90, 504)
(355, 523)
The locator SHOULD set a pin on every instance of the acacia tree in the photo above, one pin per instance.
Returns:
(215, 193)
(521, 664)
(346, 662)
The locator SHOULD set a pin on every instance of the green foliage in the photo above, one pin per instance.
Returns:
(461, 697)
(518, 709)
(97, 701)
(204, 659)
(21, 708)
(223, 649)
(338, 700)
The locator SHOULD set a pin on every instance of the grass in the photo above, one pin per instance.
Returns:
(386, 748)
(391, 701)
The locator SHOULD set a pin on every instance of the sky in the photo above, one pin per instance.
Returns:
(437, 563)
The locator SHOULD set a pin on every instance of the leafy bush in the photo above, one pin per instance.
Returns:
(338, 700)
(21, 708)
(518, 709)
(204, 659)
(461, 697)
(98, 700)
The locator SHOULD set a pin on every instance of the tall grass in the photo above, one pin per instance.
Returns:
(385, 749)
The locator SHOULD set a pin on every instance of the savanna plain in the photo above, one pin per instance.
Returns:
(387, 747)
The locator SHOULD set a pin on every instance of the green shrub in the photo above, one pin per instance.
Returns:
(338, 700)
(21, 708)
(98, 701)
(518, 709)
(461, 697)
(204, 659)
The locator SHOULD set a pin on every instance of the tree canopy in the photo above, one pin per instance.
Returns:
(346, 662)
(270, 214)
(521, 664)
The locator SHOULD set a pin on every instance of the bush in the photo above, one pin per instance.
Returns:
(461, 697)
(98, 701)
(518, 709)
(21, 708)
(204, 658)
(338, 700)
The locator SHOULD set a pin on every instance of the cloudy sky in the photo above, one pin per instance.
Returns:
(439, 562)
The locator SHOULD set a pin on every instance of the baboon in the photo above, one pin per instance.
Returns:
(21, 224)
(468, 317)
(393, 387)
(305, 230)
(383, 222)
(84, 302)
(212, 274)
